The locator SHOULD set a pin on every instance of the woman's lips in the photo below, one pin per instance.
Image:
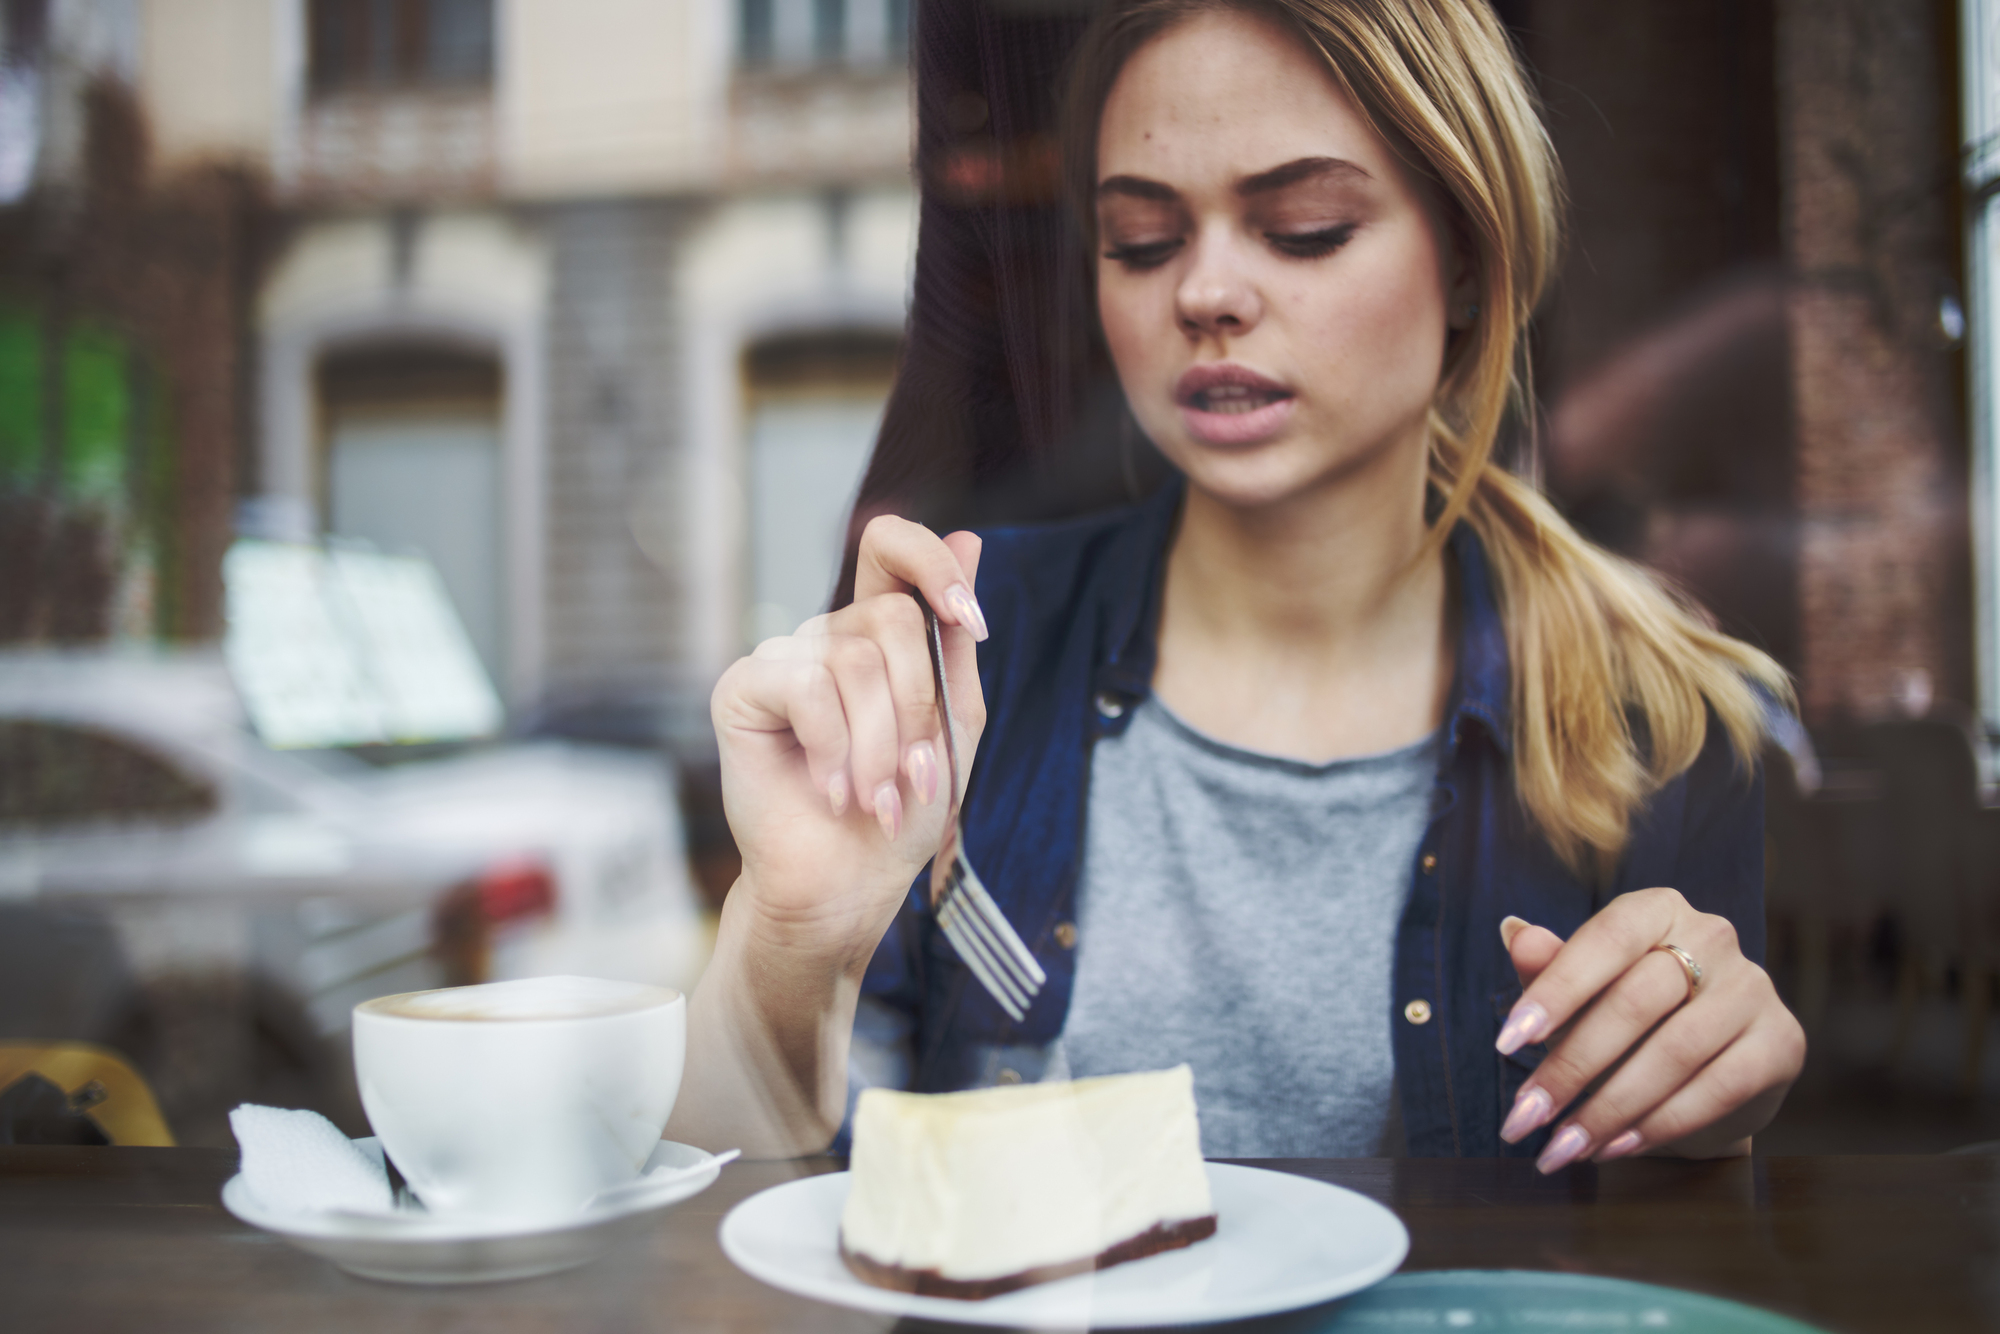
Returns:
(1225, 404)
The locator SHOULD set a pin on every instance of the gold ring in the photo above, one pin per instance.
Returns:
(1687, 963)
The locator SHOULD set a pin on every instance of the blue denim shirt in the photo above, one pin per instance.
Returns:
(1074, 614)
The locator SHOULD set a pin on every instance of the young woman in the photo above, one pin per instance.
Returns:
(1342, 768)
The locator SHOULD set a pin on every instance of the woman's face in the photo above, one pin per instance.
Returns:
(1274, 284)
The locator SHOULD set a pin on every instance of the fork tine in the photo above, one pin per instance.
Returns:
(963, 931)
(973, 952)
(988, 915)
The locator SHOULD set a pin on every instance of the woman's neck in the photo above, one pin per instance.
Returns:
(1314, 628)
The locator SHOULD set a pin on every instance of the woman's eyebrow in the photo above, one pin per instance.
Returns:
(1303, 169)
(1277, 178)
(1137, 187)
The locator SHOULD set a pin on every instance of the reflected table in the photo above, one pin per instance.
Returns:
(138, 1239)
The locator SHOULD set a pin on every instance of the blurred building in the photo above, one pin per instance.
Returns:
(594, 301)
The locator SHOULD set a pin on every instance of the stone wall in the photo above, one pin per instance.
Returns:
(615, 617)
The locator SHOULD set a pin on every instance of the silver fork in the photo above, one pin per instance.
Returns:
(971, 920)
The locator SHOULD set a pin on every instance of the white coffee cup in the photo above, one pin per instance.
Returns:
(520, 1099)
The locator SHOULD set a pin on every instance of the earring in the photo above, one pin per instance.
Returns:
(1472, 312)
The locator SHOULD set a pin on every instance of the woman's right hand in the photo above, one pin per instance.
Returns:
(833, 764)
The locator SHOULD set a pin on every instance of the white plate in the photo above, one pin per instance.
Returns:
(1281, 1242)
(429, 1248)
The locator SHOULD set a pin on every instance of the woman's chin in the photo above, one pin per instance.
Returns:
(1246, 481)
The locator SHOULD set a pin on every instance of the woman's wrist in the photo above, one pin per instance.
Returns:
(828, 930)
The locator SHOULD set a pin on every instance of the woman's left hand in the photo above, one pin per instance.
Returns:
(1639, 1059)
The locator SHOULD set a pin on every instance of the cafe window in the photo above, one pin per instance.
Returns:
(398, 45)
(795, 33)
(53, 774)
(1980, 323)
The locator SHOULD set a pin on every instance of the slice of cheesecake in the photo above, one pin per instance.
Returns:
(971, 1195)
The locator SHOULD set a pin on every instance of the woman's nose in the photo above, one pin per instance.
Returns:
(1216, 295)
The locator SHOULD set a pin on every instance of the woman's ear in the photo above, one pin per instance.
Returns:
(1461, 277)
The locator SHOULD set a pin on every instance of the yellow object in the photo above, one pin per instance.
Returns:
(127, 1110)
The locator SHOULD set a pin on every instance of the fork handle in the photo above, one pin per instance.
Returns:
(947, 849)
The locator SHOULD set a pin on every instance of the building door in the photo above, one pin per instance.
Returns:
(413, 464)
(815, 405)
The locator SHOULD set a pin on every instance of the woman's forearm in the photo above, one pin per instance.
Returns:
(768, 1032)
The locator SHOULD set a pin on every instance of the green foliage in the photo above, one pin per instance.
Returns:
(97, 390)
(97, 408)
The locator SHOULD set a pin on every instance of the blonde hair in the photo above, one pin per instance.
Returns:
(1613, 672)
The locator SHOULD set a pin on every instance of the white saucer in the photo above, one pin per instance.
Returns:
(1281, 1242)
(417, 1247)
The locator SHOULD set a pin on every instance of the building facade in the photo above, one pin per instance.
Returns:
(594, 301)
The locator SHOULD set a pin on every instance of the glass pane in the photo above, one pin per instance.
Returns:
(806, 457)
(461, 41)
(385, 477)
(829, 29)
(754, 31)
(96, 375)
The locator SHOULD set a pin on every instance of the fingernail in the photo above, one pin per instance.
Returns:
(888, 809)
(1532, 1108)
(836, 793)
(1528, 1022)
(965, 610)
(1629, 1142)
(921, 765)
(1510, 927)
(1563, 1150)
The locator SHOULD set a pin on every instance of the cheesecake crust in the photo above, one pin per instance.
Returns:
(930, 1283)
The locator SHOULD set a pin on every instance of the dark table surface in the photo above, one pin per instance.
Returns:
(137, 1239)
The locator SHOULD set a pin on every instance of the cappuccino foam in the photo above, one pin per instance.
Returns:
(527, 998)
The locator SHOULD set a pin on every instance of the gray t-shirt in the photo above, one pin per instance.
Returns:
(1238, 912)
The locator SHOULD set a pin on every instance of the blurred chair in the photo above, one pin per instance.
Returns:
(1930, 770)
(75, 1093)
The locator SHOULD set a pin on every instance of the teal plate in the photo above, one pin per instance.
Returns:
(1486, 1299)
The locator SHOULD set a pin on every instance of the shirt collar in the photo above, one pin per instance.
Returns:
(1136, 565)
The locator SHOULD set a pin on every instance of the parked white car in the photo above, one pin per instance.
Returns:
(131, 782)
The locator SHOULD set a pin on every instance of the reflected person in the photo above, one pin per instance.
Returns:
(1342, 767)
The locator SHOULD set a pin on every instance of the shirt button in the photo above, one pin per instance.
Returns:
(1066, 935)
(1430, 862)
(1418, 1011)
(1008, 1076)
(1110, 705)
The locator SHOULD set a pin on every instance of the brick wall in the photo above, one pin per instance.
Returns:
(1870, 216)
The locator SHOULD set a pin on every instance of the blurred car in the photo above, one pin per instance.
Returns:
(131, 783)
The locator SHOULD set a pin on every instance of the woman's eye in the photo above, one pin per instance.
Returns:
(1143, 254)
(1311, 245)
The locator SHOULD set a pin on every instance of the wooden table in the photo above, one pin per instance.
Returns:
(136, 1239)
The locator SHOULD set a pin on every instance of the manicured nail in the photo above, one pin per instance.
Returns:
(1532, 1109)
(836, 793)
(1528, 1022)
(1510, 927)
(889, 809)
(1570, 1142)
(1629, 1142)
(965, 610)
(920, 763)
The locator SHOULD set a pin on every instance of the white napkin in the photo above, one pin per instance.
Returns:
(299, 1162)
